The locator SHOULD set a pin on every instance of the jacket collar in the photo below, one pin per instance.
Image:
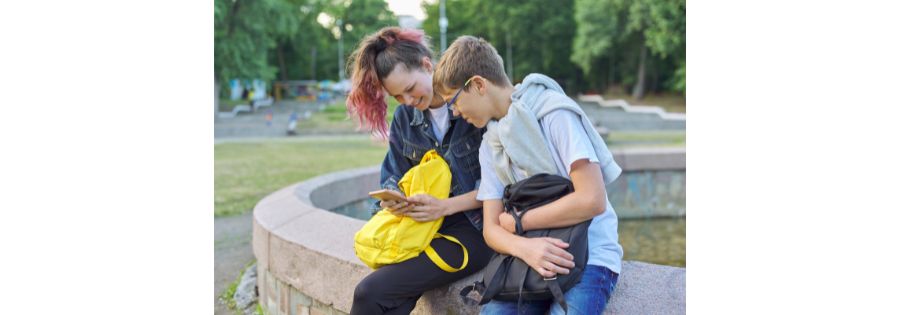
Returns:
(419, 117)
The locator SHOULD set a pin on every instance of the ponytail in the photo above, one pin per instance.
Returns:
(373, 60)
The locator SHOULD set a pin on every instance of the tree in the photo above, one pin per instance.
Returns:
(360, 18)
(245, 31)
(262, 39)
(634, 34)
(530, 35)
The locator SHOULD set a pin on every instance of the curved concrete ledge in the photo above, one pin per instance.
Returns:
(650, 159)
(307, 264)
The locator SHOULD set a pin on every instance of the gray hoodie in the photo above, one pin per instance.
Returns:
(512, 138)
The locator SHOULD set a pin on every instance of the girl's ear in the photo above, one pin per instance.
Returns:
(426, 64)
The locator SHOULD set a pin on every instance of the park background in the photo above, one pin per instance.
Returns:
(108, 168)
(281, 82)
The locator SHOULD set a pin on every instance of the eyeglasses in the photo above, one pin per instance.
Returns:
(453, 100)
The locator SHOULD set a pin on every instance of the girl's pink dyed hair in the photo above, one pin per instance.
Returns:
(373, 60)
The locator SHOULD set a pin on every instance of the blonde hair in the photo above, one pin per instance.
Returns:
(466, 57)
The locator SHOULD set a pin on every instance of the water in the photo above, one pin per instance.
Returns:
(659, 240)
(357, 209)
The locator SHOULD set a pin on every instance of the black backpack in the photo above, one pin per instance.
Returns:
(507, 278)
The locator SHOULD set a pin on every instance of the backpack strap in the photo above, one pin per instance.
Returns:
(440, 261)
(557, 293)
(496, 283)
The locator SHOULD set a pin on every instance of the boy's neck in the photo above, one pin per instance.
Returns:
(503, 100)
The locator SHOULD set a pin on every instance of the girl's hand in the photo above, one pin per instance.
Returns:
(546, 255)
(398, 208)
(426, 208)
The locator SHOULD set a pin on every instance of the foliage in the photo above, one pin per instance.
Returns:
(611, 33)
(245, 30)
(268, 39)
(592, 45)
(532, 35)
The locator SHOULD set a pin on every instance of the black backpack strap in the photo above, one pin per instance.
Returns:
(518, 217)
(494, 286)
(553, 284)
(521, 287)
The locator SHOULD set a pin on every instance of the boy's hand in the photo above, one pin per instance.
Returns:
(546, 255)
(426, 208)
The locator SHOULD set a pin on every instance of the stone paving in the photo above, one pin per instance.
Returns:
(232, 253)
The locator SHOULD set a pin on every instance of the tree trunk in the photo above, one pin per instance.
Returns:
(611, 77)
(312, 69)
(638, 91)
(281, 67)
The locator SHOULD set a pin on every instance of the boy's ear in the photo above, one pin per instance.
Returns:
(480, 84)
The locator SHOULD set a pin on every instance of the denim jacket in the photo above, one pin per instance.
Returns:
(412, 135)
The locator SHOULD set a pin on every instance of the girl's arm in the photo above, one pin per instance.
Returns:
(394, 166)
(430, 208)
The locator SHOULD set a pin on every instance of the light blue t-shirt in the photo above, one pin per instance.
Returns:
(569, 143)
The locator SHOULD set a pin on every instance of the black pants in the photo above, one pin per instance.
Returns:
(394, 289)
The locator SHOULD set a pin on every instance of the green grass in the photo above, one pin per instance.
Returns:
(620, 139)
(247, 172)
(227, 296)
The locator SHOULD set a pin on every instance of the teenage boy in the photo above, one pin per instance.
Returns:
(535, 128)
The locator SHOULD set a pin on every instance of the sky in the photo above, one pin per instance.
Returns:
(408, 7)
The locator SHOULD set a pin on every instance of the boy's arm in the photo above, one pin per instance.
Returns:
(587, 201)
(545, 255)
(573, 147)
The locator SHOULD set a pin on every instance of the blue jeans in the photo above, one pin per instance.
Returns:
(589, 296)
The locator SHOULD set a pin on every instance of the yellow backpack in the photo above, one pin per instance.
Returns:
(390, 239)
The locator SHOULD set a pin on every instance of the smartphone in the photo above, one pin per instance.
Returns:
(387, 195)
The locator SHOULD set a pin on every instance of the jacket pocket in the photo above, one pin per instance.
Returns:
(413, 152)
(466, 154)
